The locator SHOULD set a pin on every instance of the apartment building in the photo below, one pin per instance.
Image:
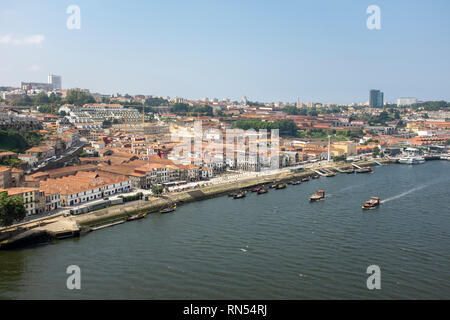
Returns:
(87, 186)
(30, 196)
(5, 177)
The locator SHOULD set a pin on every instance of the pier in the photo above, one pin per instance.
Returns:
(39, 231)
(107, 225)
(319, 173)
(356, 166)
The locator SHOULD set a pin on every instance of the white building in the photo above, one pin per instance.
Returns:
(406, 101)
(55, 81)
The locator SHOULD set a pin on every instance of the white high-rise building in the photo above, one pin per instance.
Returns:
(406, 101)
(55, 81)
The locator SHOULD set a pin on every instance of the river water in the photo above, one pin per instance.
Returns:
(271, 246)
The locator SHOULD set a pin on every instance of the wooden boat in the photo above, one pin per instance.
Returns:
(280, 186)
(256, 189)
(330, 174)
(273, 186)
(262, 191)
(306, 179)
(171, 208)
(239, 195)
(364, 170)
(349, 171)
(296, 182)
(373, 203)
(316, 176)
(136, 217)
(319, 195)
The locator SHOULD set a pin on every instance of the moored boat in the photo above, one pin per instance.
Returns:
(316, 176)
(294, 183)
(171, 208)
(411, 160)
(280, 186)
(136, 217)
(364, 170)
(319, 195)
(330, 174)
(256, 189)
(306, 179)
(373, 203)
(262, 191)
(239, 195)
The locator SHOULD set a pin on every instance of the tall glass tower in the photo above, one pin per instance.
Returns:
(376, 99)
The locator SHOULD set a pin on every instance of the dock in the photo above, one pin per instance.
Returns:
(356, 166)
(107, 225)
(41, 231)
(319, 173)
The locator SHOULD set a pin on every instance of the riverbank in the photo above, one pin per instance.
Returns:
(155, 204)
(62, 227)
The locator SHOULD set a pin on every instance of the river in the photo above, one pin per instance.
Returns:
(270, 246)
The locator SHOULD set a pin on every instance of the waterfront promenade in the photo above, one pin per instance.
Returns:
(62, 225)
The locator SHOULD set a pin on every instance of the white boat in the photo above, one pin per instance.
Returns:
(411, 160)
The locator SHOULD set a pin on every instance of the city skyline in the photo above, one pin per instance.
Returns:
(54, 83)
(312, 52)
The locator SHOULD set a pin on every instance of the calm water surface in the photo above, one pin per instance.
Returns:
(272, 246)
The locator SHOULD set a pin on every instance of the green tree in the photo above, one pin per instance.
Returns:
(45, 109)
(25, 101)
(79, 98)
(157, 190)
(155, 102)
(42, 97)
(54, 98)
(11, 209)
(286, 127)
(180, 107)
(292, 110)
(376, 152)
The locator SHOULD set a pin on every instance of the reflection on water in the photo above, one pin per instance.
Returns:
(12, 267)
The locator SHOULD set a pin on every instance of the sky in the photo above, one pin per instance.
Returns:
(319, 51)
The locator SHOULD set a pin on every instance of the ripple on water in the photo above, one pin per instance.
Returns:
(275, 246)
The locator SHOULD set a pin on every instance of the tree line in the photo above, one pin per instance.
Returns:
(285, 127)
(184, 108)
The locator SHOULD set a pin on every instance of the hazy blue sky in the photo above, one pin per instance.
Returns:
(266, 50)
